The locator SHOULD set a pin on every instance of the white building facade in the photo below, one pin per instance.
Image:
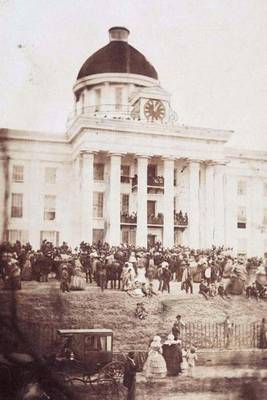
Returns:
(125, 171)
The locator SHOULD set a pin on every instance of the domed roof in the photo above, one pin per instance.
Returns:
(118, 56)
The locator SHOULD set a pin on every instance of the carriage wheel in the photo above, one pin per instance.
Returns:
(115, 370)
(106, 385)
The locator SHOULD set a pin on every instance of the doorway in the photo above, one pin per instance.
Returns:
(151, 170)
(151, 240)
(151, 207)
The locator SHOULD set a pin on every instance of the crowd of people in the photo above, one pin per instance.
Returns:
(138, 271)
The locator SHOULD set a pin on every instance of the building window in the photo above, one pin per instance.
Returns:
(98, 172)
(241, 218)
(17, 205)
(118, 98)
(50, 175)
(125, 170)
(21, 235)
(98, 204)
(49, 208)
(241, 188)
(97, 99)
(125, 203)
(50, 236)
(125, 236)
(17, 173)
(125, 173)
(98, 235)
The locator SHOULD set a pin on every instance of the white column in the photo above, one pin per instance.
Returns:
(141, 233)
(255, 225)
(194, 204)
(35, 212)
(209, 194)
(219, 206)
(87, 197)
(168, 227)
(114, 199)
(231, 212)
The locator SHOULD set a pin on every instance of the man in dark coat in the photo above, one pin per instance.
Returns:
(172, 354)
(129, 377)
(177, 327)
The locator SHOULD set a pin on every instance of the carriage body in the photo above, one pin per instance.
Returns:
(87, 359)
(92, 347)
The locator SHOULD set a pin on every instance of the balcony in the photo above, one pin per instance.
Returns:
(124, 112)
(125, 179)
(180, 220)
(155, 220)
(155, 184)
(127, 219)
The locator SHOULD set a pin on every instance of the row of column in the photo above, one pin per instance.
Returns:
(214, 202)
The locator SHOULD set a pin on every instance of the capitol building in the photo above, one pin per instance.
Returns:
(126, 171)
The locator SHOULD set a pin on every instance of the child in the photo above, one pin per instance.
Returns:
(140, 311)
(191, 359)
(184, 364)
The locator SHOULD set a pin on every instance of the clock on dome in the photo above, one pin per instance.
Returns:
(154, 110)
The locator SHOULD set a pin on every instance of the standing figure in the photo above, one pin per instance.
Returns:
(184, 365)
(102, 275)
(166, 277)
(155, 365)
(228, 331)
(129, 377)
(64, 283)
(177, 327)
(191, 359)
(172, 354)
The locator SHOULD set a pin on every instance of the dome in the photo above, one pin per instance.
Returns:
(118, 57)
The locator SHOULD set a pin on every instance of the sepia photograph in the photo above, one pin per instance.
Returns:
(133, 200)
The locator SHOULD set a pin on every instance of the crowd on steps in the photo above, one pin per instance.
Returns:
(140, 272)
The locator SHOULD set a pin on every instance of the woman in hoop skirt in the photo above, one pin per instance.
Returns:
(155, 365)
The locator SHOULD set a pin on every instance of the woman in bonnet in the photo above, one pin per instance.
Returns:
(172, 354)
(155, 365)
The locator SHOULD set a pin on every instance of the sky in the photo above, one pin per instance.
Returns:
(211, 55)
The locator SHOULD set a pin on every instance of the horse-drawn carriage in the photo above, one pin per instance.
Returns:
(86, 358)
(82, 360)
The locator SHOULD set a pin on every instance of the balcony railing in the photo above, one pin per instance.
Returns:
(125, 179)
(115, 112)
(155, 219)
(153, 181)
(180, 219)
(157, 181)
(128, 219)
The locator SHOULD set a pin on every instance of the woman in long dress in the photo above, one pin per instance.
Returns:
(26, 273)
(172, 354)
(78, 281)
(141, 274)
(155, 365)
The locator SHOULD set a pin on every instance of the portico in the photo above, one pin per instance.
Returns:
(142, 205)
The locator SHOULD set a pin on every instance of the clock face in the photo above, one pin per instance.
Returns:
(154, 110)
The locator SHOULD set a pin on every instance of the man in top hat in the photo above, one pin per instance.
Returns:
(129, 377)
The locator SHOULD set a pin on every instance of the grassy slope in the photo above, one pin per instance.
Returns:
(115, 309)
